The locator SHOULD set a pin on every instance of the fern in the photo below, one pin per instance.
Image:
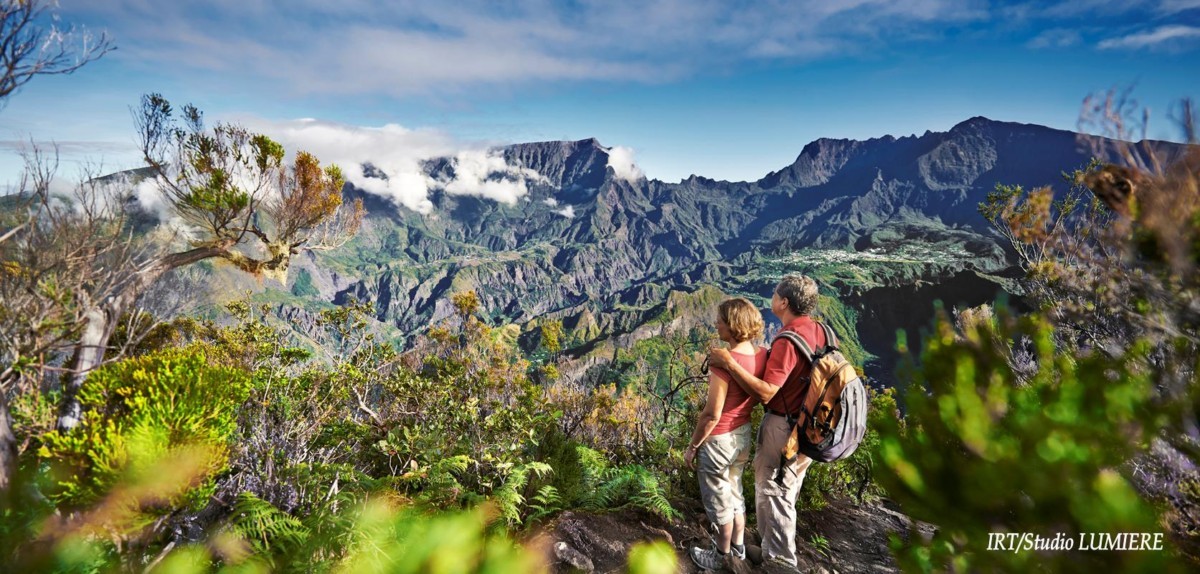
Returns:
(605, 491)
(268, 529)
(651, 496)
(437, 484)
(508, 497)
(630, 485)
(594, 471)
(546, 502)
(334, 533)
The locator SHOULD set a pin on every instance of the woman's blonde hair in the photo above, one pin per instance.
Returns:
(744, 320)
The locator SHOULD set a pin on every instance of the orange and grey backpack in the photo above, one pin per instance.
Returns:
(832, 420)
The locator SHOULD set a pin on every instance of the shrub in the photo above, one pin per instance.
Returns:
(135, 411)
(652, 558)
(983, 453)
(376, 535)
(562, 454)
(1112, 266)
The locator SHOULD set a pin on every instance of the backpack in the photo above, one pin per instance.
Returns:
(833, 417)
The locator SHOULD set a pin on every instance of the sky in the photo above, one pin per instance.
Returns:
(726, 90)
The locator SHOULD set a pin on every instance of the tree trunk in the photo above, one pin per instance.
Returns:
(102, 319)
(8, 449)
(89, 353)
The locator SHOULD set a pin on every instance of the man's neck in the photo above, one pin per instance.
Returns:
(787, 317)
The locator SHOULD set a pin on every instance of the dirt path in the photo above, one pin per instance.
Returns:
(855, 539)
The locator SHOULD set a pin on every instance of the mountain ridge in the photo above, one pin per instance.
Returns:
(901, 211)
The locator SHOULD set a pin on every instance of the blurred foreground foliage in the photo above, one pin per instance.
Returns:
(1080, 417)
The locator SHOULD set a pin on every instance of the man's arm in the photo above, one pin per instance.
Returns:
(756, 387)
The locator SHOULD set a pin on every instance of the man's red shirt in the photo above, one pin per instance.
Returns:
(785, 357)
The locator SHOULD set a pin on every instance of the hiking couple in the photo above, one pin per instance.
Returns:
(742, 376)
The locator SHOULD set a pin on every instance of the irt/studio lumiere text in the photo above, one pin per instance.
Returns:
(1084, 542)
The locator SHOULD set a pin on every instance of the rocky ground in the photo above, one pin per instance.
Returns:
(855, 539)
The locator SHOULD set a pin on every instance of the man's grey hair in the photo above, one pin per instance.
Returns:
(800, 292)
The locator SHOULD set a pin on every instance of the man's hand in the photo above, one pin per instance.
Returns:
(758, 388)
(689, 457)
(719, 357)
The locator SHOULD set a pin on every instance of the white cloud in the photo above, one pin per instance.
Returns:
(71, 149)
(359, 47)
(394, 150)
(1056, 38)
(1152, 38)
(1173, 6)
(620, 159)
(1073, 9)
(149, 194)
(485, 173)
(550, 201)
(567, 212)
(397, 152)
(63, 187)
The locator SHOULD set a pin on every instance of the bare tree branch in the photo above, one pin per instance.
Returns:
(29, 49)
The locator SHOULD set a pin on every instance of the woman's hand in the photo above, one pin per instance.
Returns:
(689, 456)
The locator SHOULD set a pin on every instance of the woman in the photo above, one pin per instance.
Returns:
(721, 441)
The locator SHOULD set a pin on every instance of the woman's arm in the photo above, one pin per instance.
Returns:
(707, 421)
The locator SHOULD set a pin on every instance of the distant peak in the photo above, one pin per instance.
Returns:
(560, 146)
(815, 147)
(977, 121)
(583, 144)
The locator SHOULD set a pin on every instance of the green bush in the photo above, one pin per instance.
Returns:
(137, 410)
(983, 453)
(653, 558)
(562, 454)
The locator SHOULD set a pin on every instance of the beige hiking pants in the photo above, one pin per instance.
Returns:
(775, 504)
(719, 467)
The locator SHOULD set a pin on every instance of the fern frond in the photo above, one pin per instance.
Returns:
(633, 484)
(266, 528)
(547, 501)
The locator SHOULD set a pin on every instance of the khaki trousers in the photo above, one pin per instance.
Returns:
(774, 503)
(719, 467)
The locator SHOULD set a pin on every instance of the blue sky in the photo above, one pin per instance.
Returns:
(729, 90)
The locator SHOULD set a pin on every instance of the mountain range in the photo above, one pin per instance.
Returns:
(887, 226)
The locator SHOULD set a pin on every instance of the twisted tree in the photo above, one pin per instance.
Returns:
(234, 198)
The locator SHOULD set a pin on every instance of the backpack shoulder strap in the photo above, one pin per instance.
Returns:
(831, 340)
(797, 341)
(794, 377)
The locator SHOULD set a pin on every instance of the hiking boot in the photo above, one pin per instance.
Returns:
(738, 551)
(708, 559)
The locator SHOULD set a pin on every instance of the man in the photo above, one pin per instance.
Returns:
(794, 301)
